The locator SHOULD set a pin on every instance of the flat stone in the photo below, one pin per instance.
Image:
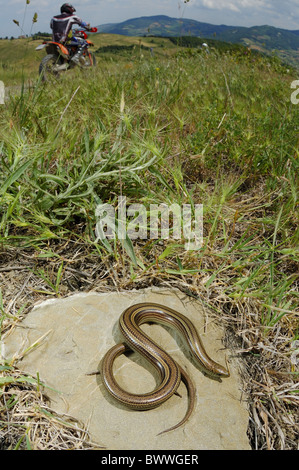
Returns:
(72, 336)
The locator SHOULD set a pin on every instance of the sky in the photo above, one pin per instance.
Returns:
(279, 13)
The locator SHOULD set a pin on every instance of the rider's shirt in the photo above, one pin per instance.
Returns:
(62, 25)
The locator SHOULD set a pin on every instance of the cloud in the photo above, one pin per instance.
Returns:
(251, 12)
(219, 5)
(290, 7)
(233, 5)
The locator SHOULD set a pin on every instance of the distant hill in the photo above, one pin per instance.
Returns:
(271, 37)
(265, 38)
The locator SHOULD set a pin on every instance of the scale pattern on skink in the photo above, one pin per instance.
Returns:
(170, 372)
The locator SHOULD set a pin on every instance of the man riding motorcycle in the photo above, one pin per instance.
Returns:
(61, 26)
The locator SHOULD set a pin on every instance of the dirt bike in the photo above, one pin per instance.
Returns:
(59, 56)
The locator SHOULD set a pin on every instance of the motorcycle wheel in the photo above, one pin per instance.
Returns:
(88, 60)
(47, 67)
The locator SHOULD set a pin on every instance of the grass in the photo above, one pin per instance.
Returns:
(173, 127)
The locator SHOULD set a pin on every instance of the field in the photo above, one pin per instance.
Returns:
(156, 123)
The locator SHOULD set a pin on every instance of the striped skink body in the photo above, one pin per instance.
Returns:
(170, 372)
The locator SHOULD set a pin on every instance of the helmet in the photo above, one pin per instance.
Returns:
(67, 8)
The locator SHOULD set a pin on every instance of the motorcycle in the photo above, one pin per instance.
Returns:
(59, 56)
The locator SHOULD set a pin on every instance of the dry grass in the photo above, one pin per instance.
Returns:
(27, 421)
